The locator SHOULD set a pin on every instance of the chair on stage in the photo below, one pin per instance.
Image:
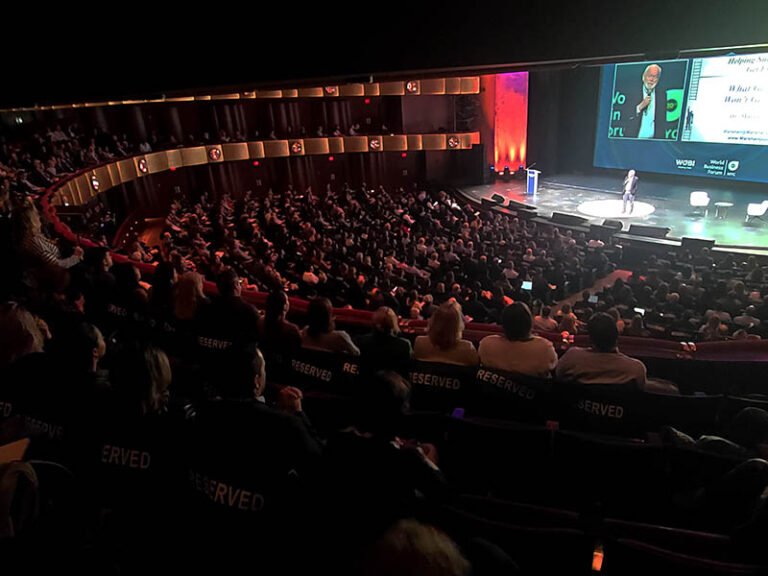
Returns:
(756, 210)
(700, 199)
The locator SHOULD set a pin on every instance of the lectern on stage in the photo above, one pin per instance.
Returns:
(533, 181)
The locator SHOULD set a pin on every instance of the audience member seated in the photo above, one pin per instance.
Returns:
(383, 348)
(714, 329)
(602, 363)
(30, 240)
(376, 474)
(275, 332)
(518, 350)
(138, 451)
(544, 322)
(637, 327)
(227, 318)
(188, 299)
(443, 342)
(320, 332)
(268, 455)
(568, 320)
(20, 334)
(129, 300)
(161, 295)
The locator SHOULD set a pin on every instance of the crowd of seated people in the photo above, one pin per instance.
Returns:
(98, 374)
(113, 408)
(418, 252)
(410, 250)
(426, 249)
(31, 163)
(95, 362)
(692, 296)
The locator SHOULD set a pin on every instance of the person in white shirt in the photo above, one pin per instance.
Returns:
(518, 350)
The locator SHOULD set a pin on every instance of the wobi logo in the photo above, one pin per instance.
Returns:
(685, 162)
(733, 165)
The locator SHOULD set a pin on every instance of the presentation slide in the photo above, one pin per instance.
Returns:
(727, 101)
(702, 117)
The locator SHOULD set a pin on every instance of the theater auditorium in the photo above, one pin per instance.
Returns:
(452, 292)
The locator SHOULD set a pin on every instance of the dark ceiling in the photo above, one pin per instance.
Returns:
(145, 50)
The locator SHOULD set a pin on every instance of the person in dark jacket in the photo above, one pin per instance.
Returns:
(383, 348)
(251, 465)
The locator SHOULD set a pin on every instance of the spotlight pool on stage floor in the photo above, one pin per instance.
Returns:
(613, 208)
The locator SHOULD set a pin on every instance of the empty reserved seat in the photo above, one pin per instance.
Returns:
(512, 396)
(535, 550)
(497, 457)
(695, 543)
(441, 387)
(625, 476)
(694, 415)
(519, 513)
(732, 405)
(599, 408)
(628, 557)
(322, 371)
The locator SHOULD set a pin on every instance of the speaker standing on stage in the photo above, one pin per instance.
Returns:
(630, 189)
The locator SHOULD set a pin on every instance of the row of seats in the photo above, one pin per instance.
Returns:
(550, 541)
(445, 388)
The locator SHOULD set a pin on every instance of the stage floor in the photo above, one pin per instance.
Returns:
(597, 198)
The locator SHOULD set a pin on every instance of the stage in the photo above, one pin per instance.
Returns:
(660, 202)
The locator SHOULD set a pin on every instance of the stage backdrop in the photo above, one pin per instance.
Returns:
(511, 120)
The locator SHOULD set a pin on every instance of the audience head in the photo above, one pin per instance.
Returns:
(413, 549)
(228, 284)
(385, 321)
(126, 276)
(99, 259)
(603, 332)
(516, 321)
(320, 317)
(385, 401)
(188, 295)
(141, 374)
(276, 307)
(81, 346)
(446, 326)
(244, 376)
(26, 223)
(19, 334)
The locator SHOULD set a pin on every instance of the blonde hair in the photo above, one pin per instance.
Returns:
(19, 333)
(385, 320)
(187, 295)
(159, 371)
(26, 223)
(446, 325)
(410, 548)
